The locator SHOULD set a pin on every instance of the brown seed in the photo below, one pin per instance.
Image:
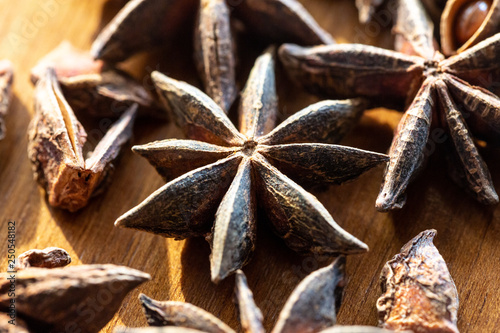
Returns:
(94, 87)
(422, 80)
(6, 79)
(418, 291)
(358, 329)
(56, 140)
(469, 19)
(465, 23)
(80, 298)
(51, 257)
(223, 195)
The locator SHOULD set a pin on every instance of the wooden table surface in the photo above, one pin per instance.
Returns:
(468, 233)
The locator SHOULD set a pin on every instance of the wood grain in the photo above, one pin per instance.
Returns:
(468, 233)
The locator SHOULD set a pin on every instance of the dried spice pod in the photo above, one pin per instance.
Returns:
(436, 89)
(80, 298)
(51, 257)
(219, 199)
(418, 291)
(55, 148)
(465, 23)
(311, 307)
(214, 43)
(93, 86)
(6, 79)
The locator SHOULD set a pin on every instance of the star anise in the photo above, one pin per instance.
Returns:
(6, 78)
(418, 291)
(56, 142)
(65, 299)
(222, 174)
(312, 307)
(142, 24)
(93, 86)
(440, 88)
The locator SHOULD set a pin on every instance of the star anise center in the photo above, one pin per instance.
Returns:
(249, 147)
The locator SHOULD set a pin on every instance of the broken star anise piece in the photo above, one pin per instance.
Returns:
(441, 90)
(70, 299)
(142, 24)
(94, 87)
(312, 306)
(418, 291)
(55, 148)
(222, 173)
(6, 79)
(50, 257)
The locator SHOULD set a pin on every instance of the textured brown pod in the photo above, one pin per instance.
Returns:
(56, 148)
(222, 172)
(465, 23)
(94, 87)
(71, 299)
(418, 291)
(312, 307)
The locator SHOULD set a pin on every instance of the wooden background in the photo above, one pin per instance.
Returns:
(468, 233)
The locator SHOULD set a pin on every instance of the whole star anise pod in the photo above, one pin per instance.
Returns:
(222, 174)
(418, 291)
(439, 88)
(312, 307)
(142, 24)
(63, 299)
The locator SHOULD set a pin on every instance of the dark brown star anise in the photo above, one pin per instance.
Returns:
(142, 24)
(56, 148)
(93, 86)
(440, 89)
(64, 299)
(226, 173)
(312, 307)
(6, 79)
(418, 291)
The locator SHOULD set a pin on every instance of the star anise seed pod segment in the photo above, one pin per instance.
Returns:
(142, 24)
(6, 79)
(312, 306)
(55, 148)
(222, 173)
(418, 291)
(438, 87)
(93, 86)
(70, 299)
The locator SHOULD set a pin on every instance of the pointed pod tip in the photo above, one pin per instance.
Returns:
(490, 196)
(386, 202)
(145, 299)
